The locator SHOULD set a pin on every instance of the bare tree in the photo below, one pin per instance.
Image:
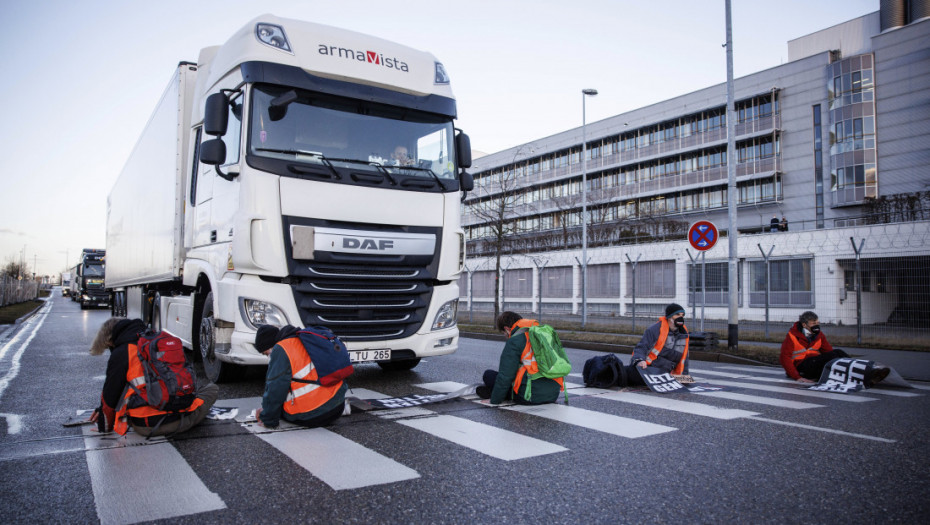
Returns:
(14, 268)
(494, 203)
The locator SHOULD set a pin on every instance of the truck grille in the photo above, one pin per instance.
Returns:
(359, 303)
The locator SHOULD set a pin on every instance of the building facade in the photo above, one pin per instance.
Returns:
(832, 154)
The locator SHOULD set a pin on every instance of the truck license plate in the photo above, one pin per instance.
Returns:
(362, 356)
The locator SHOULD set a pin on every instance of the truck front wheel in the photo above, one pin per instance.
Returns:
(216, 371)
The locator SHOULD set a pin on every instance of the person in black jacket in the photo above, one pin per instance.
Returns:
(116, 334)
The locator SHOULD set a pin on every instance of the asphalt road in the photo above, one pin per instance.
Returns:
(752, 452)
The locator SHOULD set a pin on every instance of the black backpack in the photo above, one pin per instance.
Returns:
(604, 371)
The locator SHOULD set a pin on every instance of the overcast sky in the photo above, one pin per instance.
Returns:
(80, 78)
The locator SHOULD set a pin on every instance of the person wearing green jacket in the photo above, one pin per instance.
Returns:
(499, 384)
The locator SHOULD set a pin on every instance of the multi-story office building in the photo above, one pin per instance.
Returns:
(833, 146)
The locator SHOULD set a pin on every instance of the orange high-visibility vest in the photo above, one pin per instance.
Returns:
(304, 397)
(136, 377)
(660, 345)
(801, 351)
(528, 358)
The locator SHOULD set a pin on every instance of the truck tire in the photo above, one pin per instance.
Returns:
(399, 366)
(216, 371)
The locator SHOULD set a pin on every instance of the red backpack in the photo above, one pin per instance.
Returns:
(170, 383)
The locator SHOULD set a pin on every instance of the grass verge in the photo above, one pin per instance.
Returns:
(9, 314)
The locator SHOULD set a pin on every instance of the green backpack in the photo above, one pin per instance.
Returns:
(551, 359)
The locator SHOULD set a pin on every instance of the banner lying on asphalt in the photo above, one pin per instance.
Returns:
(847, 374)
(661, 382)
(413, 400)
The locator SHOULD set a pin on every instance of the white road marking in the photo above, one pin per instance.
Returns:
(828, 430)
(14, 423)
(688, 407)
(879, 391)
(333, 459)
(608, 423)
(122, 478)
(771, 401)
(337, 461)
(760, 369)
(794, 391)
(486, 439)
(28, 332)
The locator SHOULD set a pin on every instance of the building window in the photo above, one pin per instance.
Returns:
(518, 283)
(653, 279)
(818, 167)
(716, 275)
(790, 284)
(483, 283)
(557, 282)
(604, 280)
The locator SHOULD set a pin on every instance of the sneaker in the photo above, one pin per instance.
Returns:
(876, 375)
(483, 392)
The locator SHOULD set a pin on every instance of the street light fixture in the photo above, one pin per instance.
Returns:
(585, 93)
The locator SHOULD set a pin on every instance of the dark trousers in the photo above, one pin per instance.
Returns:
(185, 420)
(323, 420)
(490, 376)
(812, 367)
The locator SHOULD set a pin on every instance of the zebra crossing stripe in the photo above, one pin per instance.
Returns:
(757, 369)
(116, 468)
(878, 391)
(793, 391)
(736, 396)
(580, 417)
(486, 439)
(335, 460)
(688, 407)
(610, 424)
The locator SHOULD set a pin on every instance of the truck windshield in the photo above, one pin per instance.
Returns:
(93, 270)
(337, 133)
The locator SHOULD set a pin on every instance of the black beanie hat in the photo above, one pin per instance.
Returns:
(266, 337)
(673, 309)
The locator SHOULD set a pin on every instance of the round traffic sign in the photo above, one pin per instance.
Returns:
(702, 235)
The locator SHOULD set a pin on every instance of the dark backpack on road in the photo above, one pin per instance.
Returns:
(328, 354)
(170, 383)
(604, 371)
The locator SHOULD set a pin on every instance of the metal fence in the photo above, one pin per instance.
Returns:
(869, 284)
(14, 291)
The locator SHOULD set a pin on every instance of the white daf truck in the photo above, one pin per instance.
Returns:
(298, 174)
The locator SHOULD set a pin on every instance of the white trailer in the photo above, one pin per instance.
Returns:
(298, 174)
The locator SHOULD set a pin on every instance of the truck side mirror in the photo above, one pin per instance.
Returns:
(278, 107)
(216, 115)
(466, 181)
(213, 152)
(463, 150)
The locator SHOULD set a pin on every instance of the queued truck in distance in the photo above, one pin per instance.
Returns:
(87, 281)
(298, 174)
(65, 284)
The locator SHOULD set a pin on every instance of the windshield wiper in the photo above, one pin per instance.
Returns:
(313, 154)
(431, 172)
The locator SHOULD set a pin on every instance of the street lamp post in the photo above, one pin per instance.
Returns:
(585, 93)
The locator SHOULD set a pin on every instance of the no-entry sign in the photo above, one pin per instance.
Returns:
(702, 235)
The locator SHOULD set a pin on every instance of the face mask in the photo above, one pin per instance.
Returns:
(679, 322)
(814, 330)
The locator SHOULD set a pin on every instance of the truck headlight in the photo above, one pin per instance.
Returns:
(445, 318)
(259, 312)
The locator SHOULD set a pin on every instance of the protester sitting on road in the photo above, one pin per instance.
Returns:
(507, 382)
(805, 352)
(302, 403)
(120, 336)
(664, 346)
